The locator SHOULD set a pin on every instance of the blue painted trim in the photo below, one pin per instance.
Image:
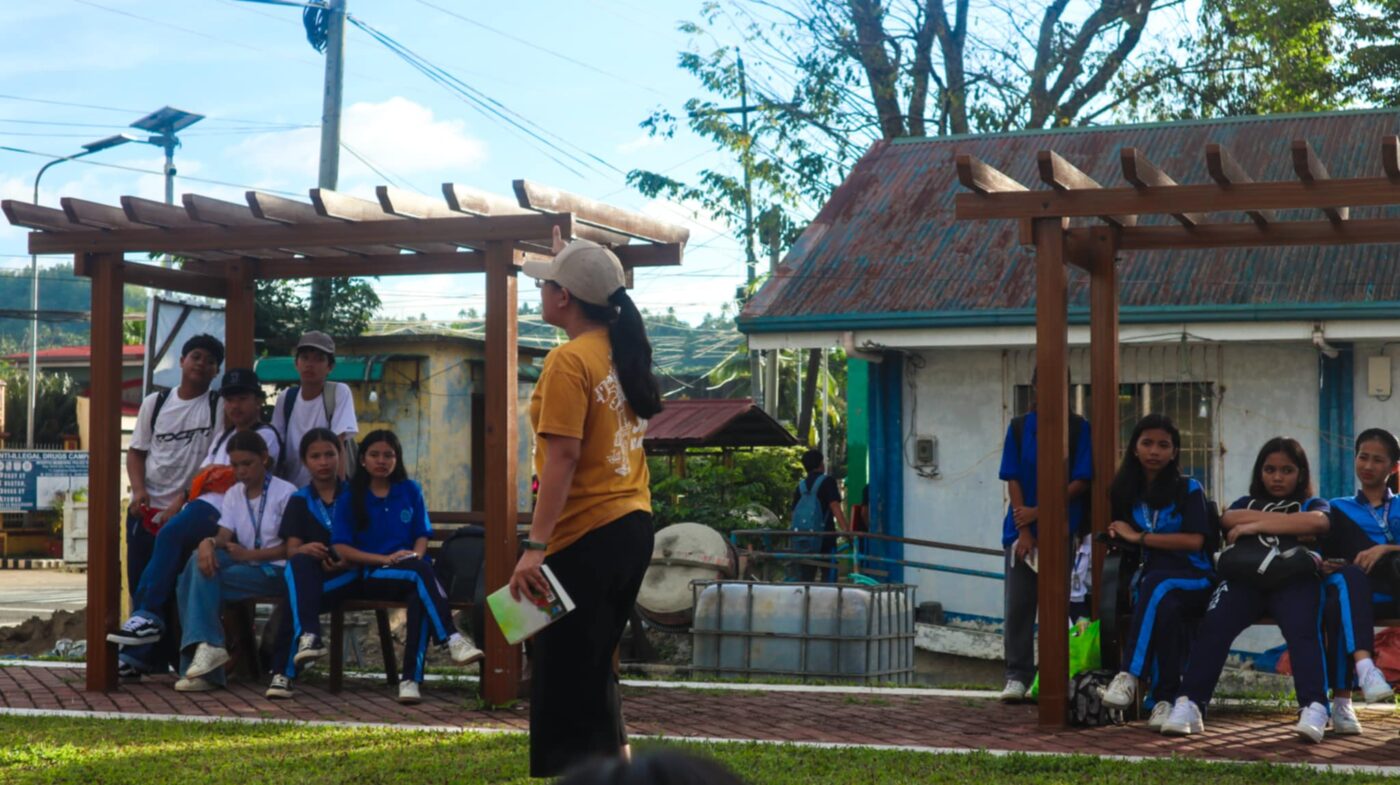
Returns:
(887, 461)
(1022, 317)
(1336, 412)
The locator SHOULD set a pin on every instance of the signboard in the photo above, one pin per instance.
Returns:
(29, 479)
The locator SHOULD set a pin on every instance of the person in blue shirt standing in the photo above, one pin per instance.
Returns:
(381, 524)
(1019, 536)
(1162, 513)
(1359, 577)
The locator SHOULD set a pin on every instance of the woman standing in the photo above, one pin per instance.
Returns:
(592, 520)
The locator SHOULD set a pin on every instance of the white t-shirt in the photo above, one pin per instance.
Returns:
(238, 518)
(218, 456)
(175, 445)
(312, 414)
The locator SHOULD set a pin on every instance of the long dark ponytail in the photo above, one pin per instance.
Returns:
(359, 482)
(630, 349)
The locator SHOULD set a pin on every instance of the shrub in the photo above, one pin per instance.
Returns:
(716, 494)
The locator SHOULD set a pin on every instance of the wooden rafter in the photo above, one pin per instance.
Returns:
(1065, 177)
(1310, 169)
(1224, 169)
(344, 207)
(1142, 174)
(598, 214)
(1390, 157)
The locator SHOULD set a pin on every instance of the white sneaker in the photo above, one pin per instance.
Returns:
(1013, 692)
(195, 684)
(1160, 712)
(1344, 720)
(408, 692)
(1312, 722)
(463, 651)
(309, 648)
(207, 659)
(1184, 719)
(1121, 691)
(1374, 687)
(281, 687)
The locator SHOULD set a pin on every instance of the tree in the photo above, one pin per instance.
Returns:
(55, 405)
(281, 313)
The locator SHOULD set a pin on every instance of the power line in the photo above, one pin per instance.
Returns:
(123, 110)
(139, 170)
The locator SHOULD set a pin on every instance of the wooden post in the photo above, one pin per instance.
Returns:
(105, 514)
(1052, 452)
(1103, 376)
(501, 671)
(238, 314)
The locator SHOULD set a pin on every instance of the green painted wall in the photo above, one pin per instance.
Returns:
(857, 429)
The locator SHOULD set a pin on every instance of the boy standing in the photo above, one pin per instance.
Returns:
(816, 506)
(315, 403)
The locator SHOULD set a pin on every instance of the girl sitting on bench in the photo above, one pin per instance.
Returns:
(381, 524)
(1163, 514)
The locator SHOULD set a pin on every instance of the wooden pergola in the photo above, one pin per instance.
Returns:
(227, 247)
(1113, 226)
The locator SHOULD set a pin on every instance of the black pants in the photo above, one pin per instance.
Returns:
(575, 707)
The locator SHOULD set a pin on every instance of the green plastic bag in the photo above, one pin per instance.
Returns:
(1084, 653)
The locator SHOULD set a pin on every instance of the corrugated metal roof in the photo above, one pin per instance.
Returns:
(887, 241)
(714, 423)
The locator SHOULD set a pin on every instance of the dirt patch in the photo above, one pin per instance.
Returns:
(37, 635)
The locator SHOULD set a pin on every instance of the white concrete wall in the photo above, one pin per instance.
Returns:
(964, 397)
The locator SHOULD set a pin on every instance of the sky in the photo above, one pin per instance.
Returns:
(582, 75)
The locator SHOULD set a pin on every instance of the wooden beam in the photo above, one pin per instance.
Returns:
(1310, 169)
(371, 266)
(982, 178)
(1143, 174)
(205, 211)
(96, 215)
(649, 254)
(473, 201)
(1264, 197)
(413, 205)
(598, 214)
(105, 514)
(1052, 477)
(360, 236)
(293, 213)
(167, 216)
(500, 673)
(238, 315)
(1390, 157)
(1371, 231)
(1064, 176)
(1103, 378)
(1226, 171)
(351, 208)
(164, 278)
(33, 216)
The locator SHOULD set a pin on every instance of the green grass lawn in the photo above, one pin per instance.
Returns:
(144, 752)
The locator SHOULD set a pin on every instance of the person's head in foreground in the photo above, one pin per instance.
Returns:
(660, 768)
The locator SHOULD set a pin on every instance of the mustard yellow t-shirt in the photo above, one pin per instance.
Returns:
(578, 396)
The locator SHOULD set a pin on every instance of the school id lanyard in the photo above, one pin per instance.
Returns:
(319, 510)
(1150, 519)
(262, 508)
(1382, 517)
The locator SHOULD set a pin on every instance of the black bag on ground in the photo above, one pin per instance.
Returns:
(460, 569)
(1086, 700)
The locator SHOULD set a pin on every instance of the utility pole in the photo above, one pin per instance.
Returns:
(771, 372)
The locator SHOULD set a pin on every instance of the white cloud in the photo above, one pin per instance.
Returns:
(398, 136)
(640, 143)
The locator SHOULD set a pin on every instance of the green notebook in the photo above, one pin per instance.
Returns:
(522, 618)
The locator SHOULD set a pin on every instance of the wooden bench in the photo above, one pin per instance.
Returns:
(444, 525)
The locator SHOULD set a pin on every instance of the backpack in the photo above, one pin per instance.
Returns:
(1267, 561)
(290, 396)
(807, 515)
(459, 567)
(1076, 427)
(1086, 700)
(164, 395)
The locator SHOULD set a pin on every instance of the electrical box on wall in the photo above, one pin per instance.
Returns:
(1378, 376)
(926, 451)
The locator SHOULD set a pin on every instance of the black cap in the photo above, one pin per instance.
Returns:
(240, 380)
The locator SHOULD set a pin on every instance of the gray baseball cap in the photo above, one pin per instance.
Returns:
(317, 340)
(588, 270)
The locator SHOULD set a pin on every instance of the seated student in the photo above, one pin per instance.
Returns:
(314, 576)
(314, 403)
(194, 520)
(243, 560)
(1280, 502)
(381, 524)
(1363, 532)
(1163, 514)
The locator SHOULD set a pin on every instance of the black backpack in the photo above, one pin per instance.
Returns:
(1086, 700)
(460, 569)
(1268, 561)
(1076, 427)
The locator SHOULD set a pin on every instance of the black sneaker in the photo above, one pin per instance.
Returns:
(136, 631)
(281, 687)
(127, 673)
(309, 647)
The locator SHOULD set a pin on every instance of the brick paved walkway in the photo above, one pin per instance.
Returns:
(856, 718)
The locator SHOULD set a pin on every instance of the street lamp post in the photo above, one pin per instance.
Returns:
(88, 149)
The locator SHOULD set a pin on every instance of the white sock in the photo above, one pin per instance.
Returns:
(454, 636)
(1364, 666)
(1340, 702)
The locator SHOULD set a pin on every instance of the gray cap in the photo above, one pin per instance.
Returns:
(317, 340)
(588, 270)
